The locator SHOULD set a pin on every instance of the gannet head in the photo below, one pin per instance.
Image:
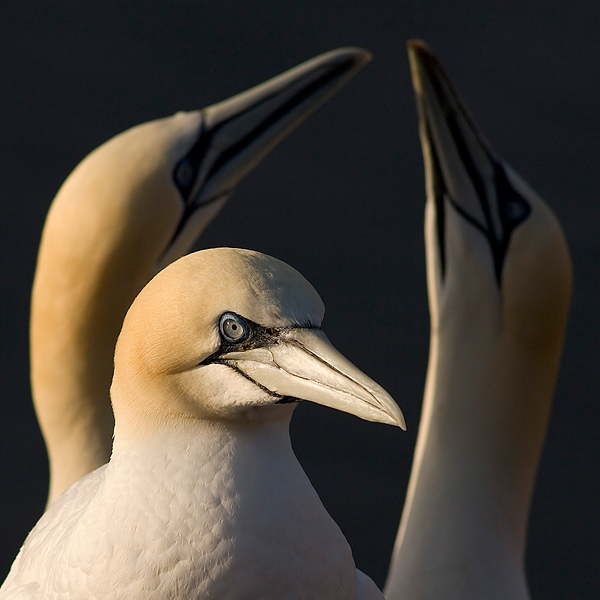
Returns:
(155, 186)
(226, 333)
(498, 262)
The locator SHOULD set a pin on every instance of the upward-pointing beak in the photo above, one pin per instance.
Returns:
(244, 128)
(457, 157)
(460, 166)
(303, 364)
(239, 132)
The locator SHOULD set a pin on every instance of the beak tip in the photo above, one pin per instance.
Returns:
(355, 58)
(417, 46)
(420, 54)
(399, 418)
(393, 413)
(362, 56)
(423, 61)
(417, 51)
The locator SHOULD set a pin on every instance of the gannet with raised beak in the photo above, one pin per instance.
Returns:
(131, 207)
(203, 496)
(499, 281)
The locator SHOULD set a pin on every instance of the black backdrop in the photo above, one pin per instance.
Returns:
(341, 200)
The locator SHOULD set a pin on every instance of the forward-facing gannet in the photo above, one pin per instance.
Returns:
(499, 281)
(203, 496)
(131, 207)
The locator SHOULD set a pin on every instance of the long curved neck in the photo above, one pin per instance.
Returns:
(97, 251)
(482, 428)
(77, 312)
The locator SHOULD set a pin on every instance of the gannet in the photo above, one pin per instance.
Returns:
(203, 496)
(131, 207)
(499, 282)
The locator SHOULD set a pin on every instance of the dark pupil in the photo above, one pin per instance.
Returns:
(185, 173)
(513, 210)
(233, 329)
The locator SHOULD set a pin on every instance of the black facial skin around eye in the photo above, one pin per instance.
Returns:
(513, 209)
(184, 176)
(257, 336)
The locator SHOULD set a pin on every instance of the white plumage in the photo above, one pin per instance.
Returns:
(203, 497)
(499, 281)
(132, 206)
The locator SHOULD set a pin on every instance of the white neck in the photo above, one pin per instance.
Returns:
(483, 423)
(213, 494)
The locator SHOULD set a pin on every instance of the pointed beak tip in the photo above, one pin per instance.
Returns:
(428, 76)
(355, 58)
(399, 420)
(361, 56)
(421, 58)
(418, 46)
(392, 413)
(419, 51)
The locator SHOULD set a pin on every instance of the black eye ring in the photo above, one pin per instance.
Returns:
(184, 176)
(233, 328)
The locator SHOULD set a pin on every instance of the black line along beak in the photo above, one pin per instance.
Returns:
(460, 165)
(239, 132)
(303, 364)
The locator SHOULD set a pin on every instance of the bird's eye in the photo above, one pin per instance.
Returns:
(233, 328)
(515, 210)
(184, 173)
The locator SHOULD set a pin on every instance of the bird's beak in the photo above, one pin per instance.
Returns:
(239, 132)
(303, 364)
(461, 168)
(457, 159)
(244, 128)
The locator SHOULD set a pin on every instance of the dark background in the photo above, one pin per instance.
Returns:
(341, 200)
